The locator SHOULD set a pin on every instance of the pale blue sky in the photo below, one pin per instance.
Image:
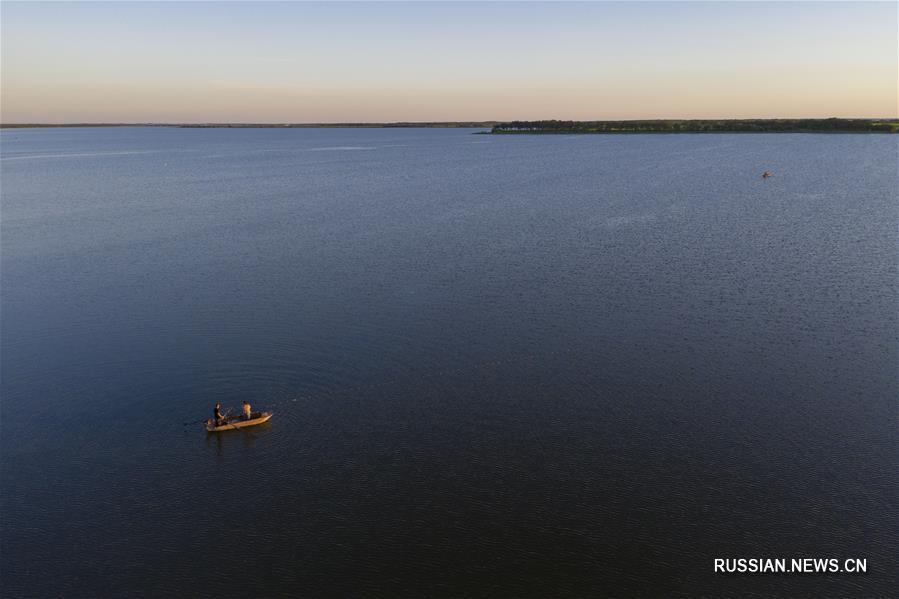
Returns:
(326, 62)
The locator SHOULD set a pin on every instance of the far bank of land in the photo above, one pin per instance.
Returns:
(831, 125)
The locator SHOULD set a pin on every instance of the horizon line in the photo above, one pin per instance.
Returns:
(484, 122)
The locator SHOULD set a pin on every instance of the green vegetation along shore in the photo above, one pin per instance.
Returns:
(832, 125)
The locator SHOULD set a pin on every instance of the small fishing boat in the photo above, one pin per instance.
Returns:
(234, 422)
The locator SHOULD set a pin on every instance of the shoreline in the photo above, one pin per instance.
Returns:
(670, 126)
(551, 127)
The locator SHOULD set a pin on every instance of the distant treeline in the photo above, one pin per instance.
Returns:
(832, 125)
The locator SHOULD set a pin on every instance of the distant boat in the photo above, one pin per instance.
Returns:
(234, 422)
(766, 174)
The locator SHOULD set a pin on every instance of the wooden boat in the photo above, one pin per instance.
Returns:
(233, 423)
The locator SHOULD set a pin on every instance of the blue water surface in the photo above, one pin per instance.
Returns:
(499, 365)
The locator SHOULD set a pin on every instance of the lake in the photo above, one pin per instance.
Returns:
(498, 365)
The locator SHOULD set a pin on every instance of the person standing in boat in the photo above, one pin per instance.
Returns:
(247, 411)
(217, 415)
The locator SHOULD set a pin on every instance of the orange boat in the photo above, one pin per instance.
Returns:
(234, 422)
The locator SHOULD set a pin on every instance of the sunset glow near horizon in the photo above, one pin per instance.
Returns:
(381, 62)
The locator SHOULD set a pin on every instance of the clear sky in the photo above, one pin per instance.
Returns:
(341, 61)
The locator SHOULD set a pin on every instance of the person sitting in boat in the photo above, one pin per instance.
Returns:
(247, 411)
(217, 415)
